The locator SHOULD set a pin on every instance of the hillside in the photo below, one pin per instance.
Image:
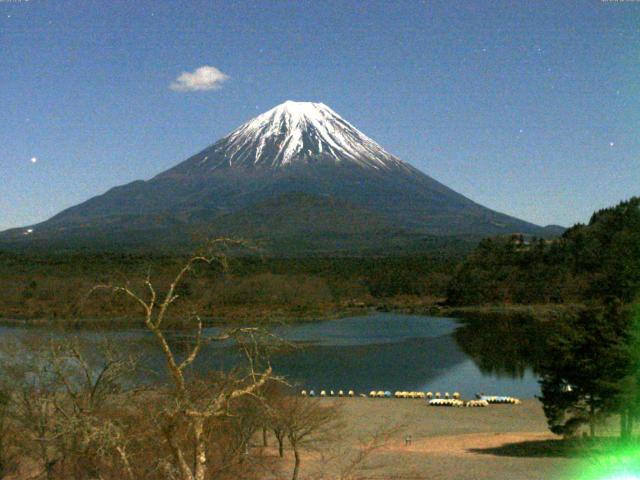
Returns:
(588, 262)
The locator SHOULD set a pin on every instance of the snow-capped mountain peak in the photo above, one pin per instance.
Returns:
(295, 175)
(293, 133)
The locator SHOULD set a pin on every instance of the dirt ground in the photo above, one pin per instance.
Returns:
(497, 442)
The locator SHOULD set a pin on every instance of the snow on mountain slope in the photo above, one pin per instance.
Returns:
(293, 133)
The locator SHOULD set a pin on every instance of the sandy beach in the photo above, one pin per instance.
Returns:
(497, 442)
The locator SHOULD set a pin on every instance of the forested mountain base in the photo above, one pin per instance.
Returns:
(48, 287)
(587, 262)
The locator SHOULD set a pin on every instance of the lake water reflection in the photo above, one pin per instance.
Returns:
(402, 352)
(380, 351)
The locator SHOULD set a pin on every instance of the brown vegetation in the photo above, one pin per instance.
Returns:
(50, 288)
(73, 412)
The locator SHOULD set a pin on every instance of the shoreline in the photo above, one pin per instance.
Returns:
(266, 317)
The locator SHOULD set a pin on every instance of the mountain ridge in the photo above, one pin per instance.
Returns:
(296, 147)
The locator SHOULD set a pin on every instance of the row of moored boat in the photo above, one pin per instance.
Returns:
(435, 399)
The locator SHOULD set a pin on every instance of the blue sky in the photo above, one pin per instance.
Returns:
(530, 108)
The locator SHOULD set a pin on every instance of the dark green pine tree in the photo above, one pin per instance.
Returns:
(629, 400)
(583, 379)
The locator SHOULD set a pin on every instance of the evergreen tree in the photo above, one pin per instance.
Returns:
(629, 399)
(582, 379)
(588, 262)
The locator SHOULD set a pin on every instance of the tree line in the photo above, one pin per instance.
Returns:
(54, 286)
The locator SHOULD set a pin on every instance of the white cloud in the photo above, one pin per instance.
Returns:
(202, 78)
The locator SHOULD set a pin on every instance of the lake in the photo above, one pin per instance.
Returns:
(385, 351)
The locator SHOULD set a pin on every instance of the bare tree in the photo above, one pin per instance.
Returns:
(306, 421)
(87, 386)
(190, 410)
(58, 402)
(274, 413)
(5, 455)
(358, 462)
(33, 400)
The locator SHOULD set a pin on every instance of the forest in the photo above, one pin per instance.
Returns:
(587, 358)
(56, 287)
(594, 261)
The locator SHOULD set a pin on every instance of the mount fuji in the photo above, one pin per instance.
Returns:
(298, 177)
